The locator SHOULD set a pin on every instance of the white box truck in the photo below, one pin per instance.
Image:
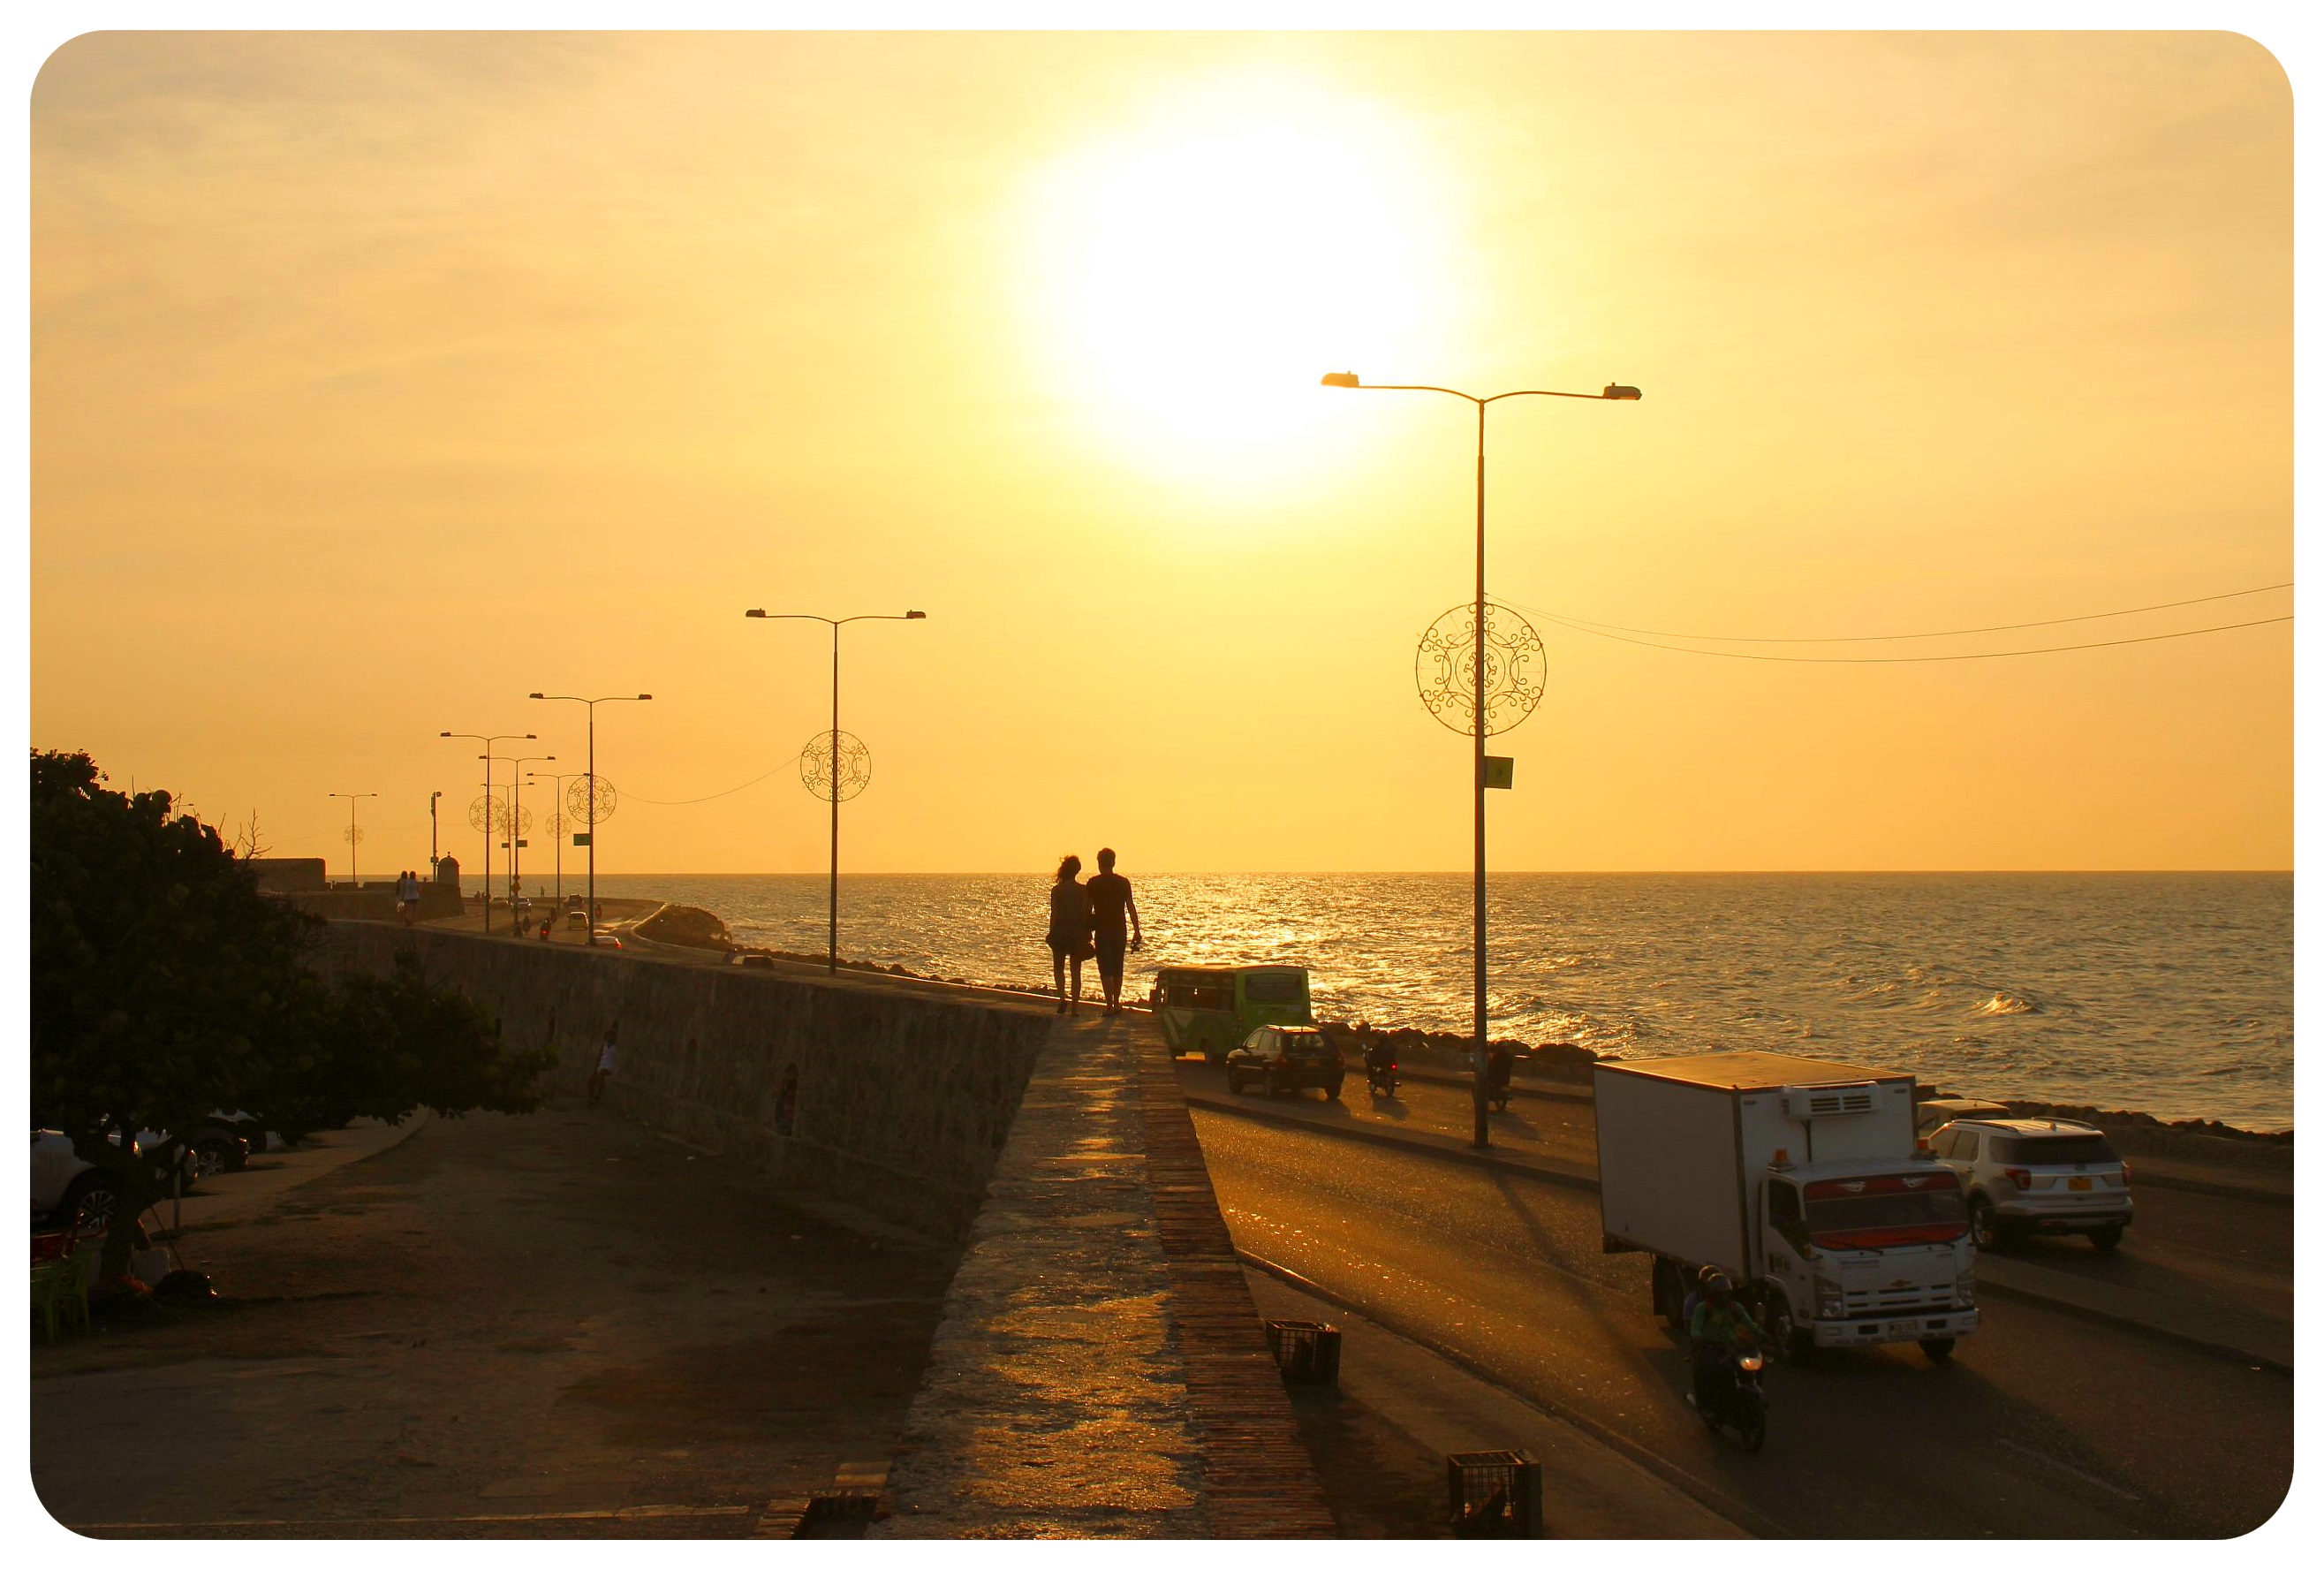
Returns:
(1802, 1181)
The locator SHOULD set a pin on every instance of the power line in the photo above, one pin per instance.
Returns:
(715, 795)
(1900, 637)
(1903, 659)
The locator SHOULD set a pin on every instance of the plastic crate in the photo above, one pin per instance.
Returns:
(1307, 1353)
(1495, 1494)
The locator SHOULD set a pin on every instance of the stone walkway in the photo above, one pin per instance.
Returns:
(1100, 1370)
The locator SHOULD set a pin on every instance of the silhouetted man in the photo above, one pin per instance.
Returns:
(1109, 901)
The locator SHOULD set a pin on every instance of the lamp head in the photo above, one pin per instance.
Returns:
(645, 697)
(536, 695)
(1342, 379)
(447, 733)
(916, 616)
(1615, 389)
(756, 612)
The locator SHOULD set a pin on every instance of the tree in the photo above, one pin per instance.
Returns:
(164, 986)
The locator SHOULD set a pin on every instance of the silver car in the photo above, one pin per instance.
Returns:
(2034, 1175)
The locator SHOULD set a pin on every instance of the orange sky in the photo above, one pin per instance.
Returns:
(379, 380)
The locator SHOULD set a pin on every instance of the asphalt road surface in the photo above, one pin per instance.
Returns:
(2044, 1424)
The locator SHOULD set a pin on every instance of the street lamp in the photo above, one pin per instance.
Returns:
(592, 703)
(433, 798)
(1615, 391)
(487, 871)
(516, 834)
(834, 624)
(353, 833)
(557, 828)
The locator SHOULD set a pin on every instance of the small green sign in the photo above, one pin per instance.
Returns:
(579, 840)
(524, 844)
(1501, 773)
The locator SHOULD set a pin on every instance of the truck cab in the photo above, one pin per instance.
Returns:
(1857, 1253)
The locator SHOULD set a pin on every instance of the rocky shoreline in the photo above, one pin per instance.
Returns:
(1565, 1062)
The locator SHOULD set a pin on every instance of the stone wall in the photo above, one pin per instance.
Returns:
(903, 1096)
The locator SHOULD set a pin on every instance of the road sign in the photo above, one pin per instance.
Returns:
(1501, 773)
(579, 840)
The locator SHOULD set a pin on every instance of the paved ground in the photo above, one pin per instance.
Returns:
(559, 1326)
(2045, 1426)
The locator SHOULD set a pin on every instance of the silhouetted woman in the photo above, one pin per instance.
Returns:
(1069, 928)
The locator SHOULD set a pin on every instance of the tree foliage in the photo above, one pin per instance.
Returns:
(164, 986)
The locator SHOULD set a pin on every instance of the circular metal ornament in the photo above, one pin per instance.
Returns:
(853, 772)
(586, 805)
(352, 834)
(557, 823)
(1516, 670)
(488, 814)
(523, 821)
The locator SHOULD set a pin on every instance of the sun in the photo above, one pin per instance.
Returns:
(1191, 276)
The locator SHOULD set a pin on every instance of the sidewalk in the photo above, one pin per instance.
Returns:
(222, 1200)
(1550, 1142)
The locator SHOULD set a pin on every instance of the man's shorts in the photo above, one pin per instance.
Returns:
(1111, 947)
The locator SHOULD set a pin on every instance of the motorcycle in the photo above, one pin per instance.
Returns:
(1738, 1400)
(1380, 1077)
(1497, 1079)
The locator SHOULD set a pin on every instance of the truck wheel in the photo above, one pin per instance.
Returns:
(1790, 1344)
(1940, 1349)
(1667, 1297)
(2106, 1239)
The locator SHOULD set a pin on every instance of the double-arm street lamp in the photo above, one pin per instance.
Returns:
(557, 836)
(487, 756)
(1477, 784)
(834, 624)
(516, 831)
(592, 703)
(353, 833)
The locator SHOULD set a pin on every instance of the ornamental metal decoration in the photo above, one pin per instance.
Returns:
(488, 814)
(854, 772)
(352, 834)
(523, 821)
(1516, 670)
(586, 805)
(557, 823)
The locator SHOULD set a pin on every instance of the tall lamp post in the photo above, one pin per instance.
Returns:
(1477, 784)
(556, 827)
(433, 798)
(488, 871)
(353, 833)
(516, 831)
(834, 624)
(592, 704)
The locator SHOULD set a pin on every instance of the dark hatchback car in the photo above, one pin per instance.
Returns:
(1283, 1057)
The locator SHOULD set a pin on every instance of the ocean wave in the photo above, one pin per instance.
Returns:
(2008, 1004)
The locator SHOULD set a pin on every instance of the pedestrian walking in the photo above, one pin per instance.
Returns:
(1069, 937)
(604, 1067)
(407, 896)
(1110, 900)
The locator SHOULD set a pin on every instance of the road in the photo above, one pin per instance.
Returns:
(2045, 1426)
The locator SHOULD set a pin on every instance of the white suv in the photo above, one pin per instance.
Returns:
(2030, 1175)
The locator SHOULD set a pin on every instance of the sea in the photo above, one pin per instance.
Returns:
(2169, 993)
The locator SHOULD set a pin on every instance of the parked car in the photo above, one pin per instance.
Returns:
(1929, 1116)
(2035, 1175)
(67, 1191)
(1283, 1057)
(257, 1137)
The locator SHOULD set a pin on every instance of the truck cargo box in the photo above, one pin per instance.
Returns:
(1682, 1141)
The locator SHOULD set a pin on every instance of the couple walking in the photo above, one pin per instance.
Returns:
(1087, 921)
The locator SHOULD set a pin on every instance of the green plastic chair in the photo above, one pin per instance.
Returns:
(60, 1292)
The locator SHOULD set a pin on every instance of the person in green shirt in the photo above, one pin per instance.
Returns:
(1718, 1326)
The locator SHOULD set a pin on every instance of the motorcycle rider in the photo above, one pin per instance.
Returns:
(1379, 1063)
(1497, 1064)
(1718, 1325)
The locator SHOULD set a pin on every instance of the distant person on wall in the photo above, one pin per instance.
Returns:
(1069, 928)
(604, 1067)
(407, 896)
(1110, 902)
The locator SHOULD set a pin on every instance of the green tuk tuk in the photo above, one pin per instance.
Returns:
(1210, 1008)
